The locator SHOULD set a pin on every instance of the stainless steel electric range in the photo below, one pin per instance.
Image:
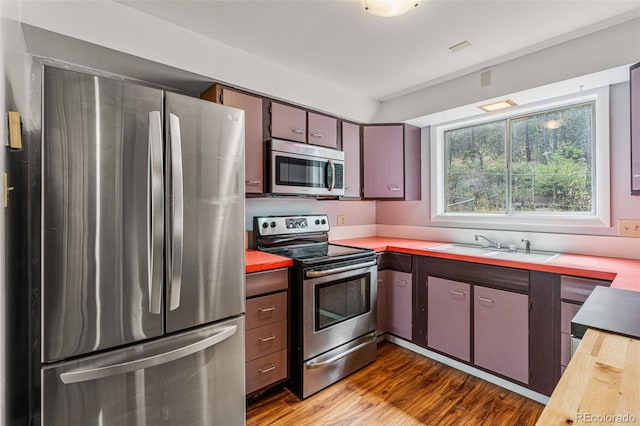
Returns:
(333, 299)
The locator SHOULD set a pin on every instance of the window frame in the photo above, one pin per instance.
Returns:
(600, 217)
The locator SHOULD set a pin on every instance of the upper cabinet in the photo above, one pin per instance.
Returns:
(290, 123)
(391, 161)
(323, 130)
(253, 157)
(351, 148)
(635, 129)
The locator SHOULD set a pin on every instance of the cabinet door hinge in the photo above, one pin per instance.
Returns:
(222, 97)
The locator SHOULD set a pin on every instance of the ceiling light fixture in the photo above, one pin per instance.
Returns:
(389, 8)
(506, 103)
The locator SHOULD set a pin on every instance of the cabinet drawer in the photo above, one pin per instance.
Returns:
(578, 289)
(265, 340)
(567, 312)
(266, 370)
(267, 282)
(266, 310)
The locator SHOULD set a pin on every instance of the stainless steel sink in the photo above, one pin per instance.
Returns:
(519, 256)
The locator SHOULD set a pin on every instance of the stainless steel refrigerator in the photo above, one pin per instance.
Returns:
(142, 286)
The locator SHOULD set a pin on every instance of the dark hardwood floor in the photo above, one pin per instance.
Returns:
(400, 388)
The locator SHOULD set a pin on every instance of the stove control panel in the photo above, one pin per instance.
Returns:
(282, 225)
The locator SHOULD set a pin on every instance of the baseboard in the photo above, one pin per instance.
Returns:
(521, 390)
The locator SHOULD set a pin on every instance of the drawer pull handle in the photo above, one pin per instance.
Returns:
(269, 309)
(484, 299)
(458, 293)
(266, 370)
(297, 131)
(252, 182)
(380, 280)
(266, 339)
(393, 188)
(316, 135)
(403, 283)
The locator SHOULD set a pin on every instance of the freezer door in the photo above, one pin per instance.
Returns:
(205, 210)
(102, 210)
(196, 378)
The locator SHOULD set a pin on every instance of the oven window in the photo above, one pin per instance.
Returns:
(300, 172)
(338, 301)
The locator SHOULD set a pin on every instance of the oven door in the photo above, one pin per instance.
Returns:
(338, 304)
(307, 175)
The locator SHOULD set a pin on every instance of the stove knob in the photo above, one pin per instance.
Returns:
(317, 221)
(273, 224)
(303, 225)
(324, 221)
(265, 225)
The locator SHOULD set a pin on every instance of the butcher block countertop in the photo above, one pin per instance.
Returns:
(601, 384)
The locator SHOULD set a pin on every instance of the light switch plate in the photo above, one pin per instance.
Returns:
(341, 220)
(629, 228)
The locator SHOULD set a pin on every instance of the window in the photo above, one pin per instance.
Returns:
(536, 163)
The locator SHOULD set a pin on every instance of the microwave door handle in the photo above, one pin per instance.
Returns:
(177, 212)
(155, 215)
(333, 175)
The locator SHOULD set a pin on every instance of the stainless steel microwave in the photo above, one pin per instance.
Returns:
(301, 169)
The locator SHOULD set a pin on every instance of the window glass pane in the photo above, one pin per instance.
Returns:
(475, 169)
(552, 161)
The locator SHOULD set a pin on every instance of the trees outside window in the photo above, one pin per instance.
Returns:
(536, 163)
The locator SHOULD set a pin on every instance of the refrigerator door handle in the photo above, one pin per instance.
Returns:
(155, 213)
(176, 213)
(151, 361)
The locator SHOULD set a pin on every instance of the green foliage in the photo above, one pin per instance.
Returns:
(551, 163)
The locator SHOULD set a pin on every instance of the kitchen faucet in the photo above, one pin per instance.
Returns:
(491, 243)
(527, 246)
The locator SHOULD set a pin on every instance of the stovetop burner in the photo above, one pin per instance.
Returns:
(320, 253)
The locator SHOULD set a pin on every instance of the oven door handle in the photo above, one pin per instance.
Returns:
(317, 364)
(325, 272)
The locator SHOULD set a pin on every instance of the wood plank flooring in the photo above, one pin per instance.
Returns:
(400, 388)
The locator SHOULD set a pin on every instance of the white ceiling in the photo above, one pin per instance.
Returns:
(381, 58)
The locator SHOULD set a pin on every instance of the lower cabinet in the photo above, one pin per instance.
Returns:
(501, 332)
(395, 295)
(266, 332)
(449, 317)
(399, 304)
(383, 302)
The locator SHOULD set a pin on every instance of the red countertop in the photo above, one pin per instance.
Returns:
(624, 273)
(256, 261)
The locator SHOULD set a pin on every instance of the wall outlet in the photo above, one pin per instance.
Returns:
(629, 228)
(341, 220)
